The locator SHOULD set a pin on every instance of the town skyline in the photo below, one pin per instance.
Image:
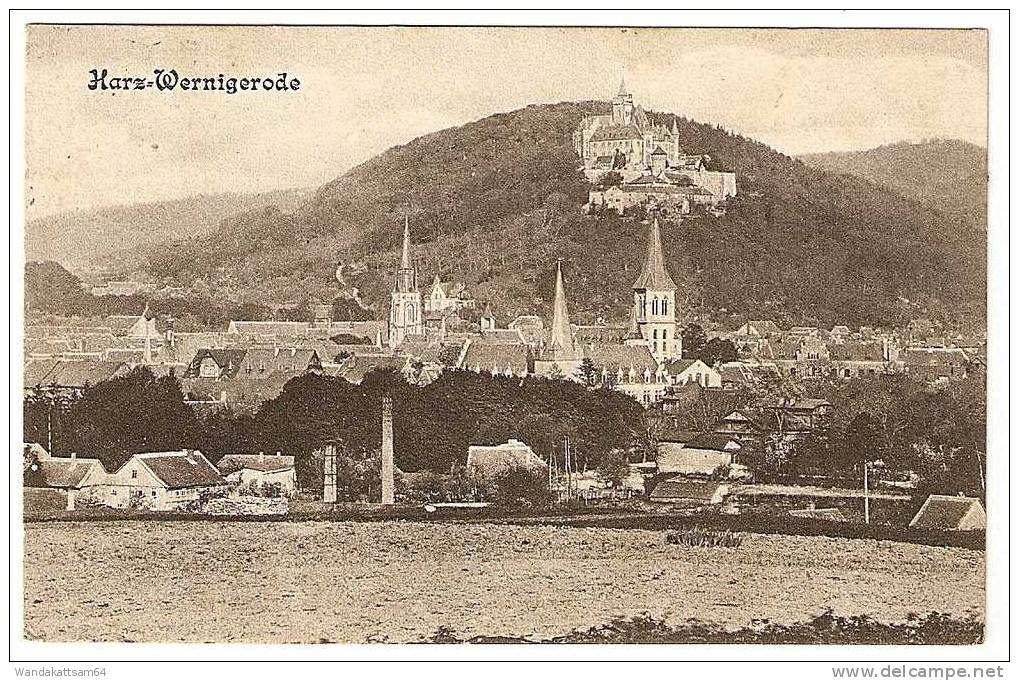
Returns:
(868, 97)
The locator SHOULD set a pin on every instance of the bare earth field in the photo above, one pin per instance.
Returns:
(307, 582)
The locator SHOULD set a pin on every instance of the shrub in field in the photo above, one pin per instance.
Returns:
(700, 536)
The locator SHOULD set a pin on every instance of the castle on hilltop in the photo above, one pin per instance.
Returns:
(624, 139)
(635, 161)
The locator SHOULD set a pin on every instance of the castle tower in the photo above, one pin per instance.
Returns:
(654, 302)
(405, 313)
(622, 105)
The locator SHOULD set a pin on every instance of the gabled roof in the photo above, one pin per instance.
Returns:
(612, 358)
(675, 435)
(63, 472)
(70, 373)
(492, 459)
(608, 133)
(860, 352)
(941, 512)
(497, 357)
(231, 463)
(179, 470)
(600, 334)
(655, 276)
(714, 441)
(269, 328)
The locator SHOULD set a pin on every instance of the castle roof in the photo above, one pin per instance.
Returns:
(655, 276)
(608, 133)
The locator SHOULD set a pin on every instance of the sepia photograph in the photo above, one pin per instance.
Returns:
(420, 333)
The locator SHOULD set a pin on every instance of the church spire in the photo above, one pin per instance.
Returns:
(655, 276)
(622, 86)
(405, 263)
(561, 334)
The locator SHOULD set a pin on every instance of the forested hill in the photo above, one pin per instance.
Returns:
(947, 175)
(496, 201)
(87, 237)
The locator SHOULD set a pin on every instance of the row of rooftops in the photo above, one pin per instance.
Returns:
(175, 469)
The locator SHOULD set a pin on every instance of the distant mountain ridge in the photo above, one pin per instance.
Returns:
(947, 175)
(495, 202)
(84, 238)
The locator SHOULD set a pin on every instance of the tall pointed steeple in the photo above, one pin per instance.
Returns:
(561, 333)
(405, 263)
(655, 276)
(622, 86)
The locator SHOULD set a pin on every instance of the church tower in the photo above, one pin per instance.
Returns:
(405, 307)
(654, 303)
(560, 354)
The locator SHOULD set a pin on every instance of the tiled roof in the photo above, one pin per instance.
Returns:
(942, 512)
(269, 328)
(615, 357)
(65, 473)
(178, 470)
(675, 435)
(70, 373)
(599, 334)
(231, 463)
(615, 132)
(714, 441)
(869, 352)
(497, 357)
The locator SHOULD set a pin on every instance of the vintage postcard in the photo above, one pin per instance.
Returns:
(461, 334)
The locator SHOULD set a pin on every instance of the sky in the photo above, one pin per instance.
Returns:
(364, 90)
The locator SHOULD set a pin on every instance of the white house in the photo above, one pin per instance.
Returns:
(490, 460)
(685, 371)
(52, 483)
(257, 470)
(162, 481)
(699, 455)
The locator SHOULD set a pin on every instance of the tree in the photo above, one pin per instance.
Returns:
(716, 351)
(589, 372)
(614, 467)
(124, 416)
(521, 486)
(694, 340)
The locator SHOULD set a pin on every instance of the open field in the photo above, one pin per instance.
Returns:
(405, 581)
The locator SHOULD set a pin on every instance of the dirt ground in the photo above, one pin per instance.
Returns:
(307, 582)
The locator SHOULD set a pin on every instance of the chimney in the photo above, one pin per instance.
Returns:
(388, 496)
(329, 475)
(261, 457)
(74, 455)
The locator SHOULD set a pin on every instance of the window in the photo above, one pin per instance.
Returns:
(654, 335)
(665, 306)
(113, 492)
(134, 472)
(153, 493)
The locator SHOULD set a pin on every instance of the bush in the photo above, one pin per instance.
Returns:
(700, 536)
(519, 486)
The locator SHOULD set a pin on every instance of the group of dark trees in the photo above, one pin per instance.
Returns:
(433, 424)
(892, 422)
(697, 346)
(897, 424)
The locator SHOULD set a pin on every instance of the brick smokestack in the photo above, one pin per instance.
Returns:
(388, 492)
(329, 475)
